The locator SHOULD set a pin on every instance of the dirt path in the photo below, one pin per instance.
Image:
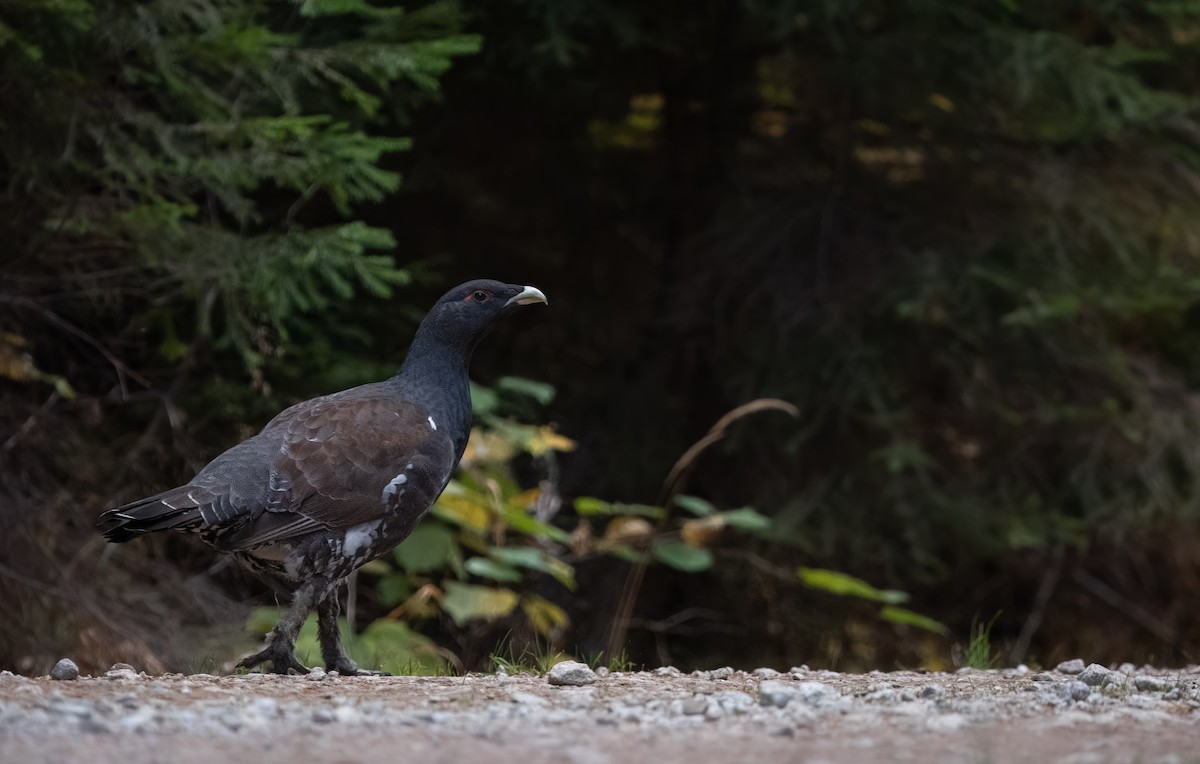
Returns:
(811, 716)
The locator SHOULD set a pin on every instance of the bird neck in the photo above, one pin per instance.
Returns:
(434, 375)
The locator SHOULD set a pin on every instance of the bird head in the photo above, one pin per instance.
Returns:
(469, 311)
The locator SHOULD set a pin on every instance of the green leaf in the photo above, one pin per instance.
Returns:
(536, 559)
(695, 505)
(394, 647)
(468, 602)
(483, 399)
(429, 547)
(393, 589)
(375, 568)
(847, 586)
(497, 571)
(263, 619)
(676, 554)
(590, 505)
(909, 618)
(541, 392)
(519, 521)
(746, 519)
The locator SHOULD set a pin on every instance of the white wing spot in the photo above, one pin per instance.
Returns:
(359, 538)
(393, 489)
(432, 423)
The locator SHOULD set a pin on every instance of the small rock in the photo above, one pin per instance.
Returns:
(714, 711)
(1074, 690)
(120, 671)
(734, 701)
(72, 708)
(1127, 669)
(335, 674)
(1074, 666)
(529, 699)
(323, 716)
(1115, 681)
(816, 694)
(1043, 677)
(765, 673)
(776, 694)
(316, 674)
(65, 669)
(695, 705)
(1146, 683)
(581, 699)
(722, 673)
(667, 671)
(946, 722)
(930, 691)
(885, 695)
(801, 669)
(602, 671)
(1095, 675)
(571, 674)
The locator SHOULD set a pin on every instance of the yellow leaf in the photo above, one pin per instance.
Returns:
(544, 615)
(628, 529)
(15, 364)
(422, 604)
(525, 499)
(468, 602)
(541, 440)
(703, 531)
(465, 510)
(488, 448)
(942, 102)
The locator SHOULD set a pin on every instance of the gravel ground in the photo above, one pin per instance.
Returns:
(1075, 714)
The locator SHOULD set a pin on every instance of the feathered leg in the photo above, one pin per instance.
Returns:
(332, 651)
(281, 642)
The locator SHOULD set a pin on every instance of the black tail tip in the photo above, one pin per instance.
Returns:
(114, 528)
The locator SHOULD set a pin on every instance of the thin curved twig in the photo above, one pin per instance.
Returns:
(672, 486)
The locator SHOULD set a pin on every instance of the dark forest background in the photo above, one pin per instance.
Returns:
(960, 238)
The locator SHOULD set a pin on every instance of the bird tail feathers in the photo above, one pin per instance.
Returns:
(178, 508)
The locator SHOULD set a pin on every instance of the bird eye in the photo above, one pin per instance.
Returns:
(480, 296)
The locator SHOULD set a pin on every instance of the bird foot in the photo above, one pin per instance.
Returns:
(281, 657)
(347, 667)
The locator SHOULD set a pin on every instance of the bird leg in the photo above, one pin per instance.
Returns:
(330, 635)
(332, 651)
(281, 642)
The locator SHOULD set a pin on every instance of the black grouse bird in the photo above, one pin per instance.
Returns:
(339, 480)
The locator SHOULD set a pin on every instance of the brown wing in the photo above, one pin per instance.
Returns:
(347, 460)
